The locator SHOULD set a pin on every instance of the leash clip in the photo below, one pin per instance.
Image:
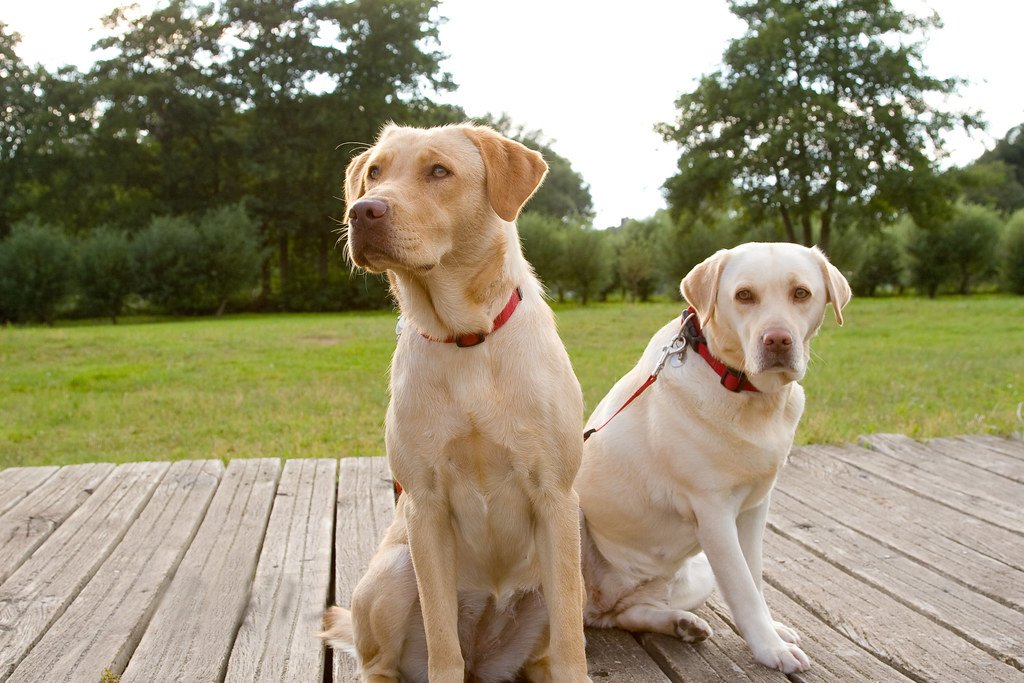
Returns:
(677, 347)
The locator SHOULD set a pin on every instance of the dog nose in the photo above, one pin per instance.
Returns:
(776, 339)
(367, 211)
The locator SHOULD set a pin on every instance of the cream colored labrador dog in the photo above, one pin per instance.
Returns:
(683, 475)
(479, 575)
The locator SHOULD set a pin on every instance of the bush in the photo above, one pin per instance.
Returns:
(169, 263)
(36, 271)
(1012, 260)
(877, 264)
(106, 273)
(231, 257)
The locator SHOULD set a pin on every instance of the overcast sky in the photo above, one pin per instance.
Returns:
(596, 77)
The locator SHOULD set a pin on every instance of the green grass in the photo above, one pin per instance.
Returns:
(315, 385)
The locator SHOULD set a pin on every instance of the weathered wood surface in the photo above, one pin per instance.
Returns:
(898, 561)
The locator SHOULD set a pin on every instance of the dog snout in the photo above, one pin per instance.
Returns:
(368, 212)
(777, 340)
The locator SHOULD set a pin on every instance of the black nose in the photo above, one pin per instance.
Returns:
(367, 212)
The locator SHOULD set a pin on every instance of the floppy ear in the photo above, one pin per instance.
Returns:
(514, 171)
(354, 187)
(700, 286)
(839, 292)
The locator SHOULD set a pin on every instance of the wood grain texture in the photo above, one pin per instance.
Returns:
(39, 591)
(912, 466)
(278, 639)
(192, 632)
(981, 455)
(104, 624)
(365, 508)
(616, 657)
(898, 635)
(24, 527)
(18, 482)
(988, 559)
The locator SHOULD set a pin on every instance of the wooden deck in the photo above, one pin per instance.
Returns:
(898, 561)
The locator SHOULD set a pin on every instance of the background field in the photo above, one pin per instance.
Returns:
(315, 385)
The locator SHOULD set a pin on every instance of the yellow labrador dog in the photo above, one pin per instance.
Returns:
(479, 575)
(682, 476)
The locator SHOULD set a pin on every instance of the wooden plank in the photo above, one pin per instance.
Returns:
(974, 492)
(278, 639)
(988, 559)
(193, 629)
(615, 656)
(39, 591)
(18, 482)
(1013, 447)
(980, 455)
(833, 656)
(894, 633)
(24, 527)
(103, 625)
(994, 628)
(722, 657)
(366, 506)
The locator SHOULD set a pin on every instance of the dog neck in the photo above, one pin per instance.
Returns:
(462, 294)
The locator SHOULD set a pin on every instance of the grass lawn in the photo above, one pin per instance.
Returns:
(315, 385)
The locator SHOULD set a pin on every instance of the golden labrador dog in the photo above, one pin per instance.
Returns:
(681, 478)
(479, 575)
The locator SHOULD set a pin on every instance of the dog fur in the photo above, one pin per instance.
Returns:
(674, 491)
(479, 574)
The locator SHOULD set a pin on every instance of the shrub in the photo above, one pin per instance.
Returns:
(36, 271)
(1012, 251)
(106, 273)
(229, 248)
(169, 263)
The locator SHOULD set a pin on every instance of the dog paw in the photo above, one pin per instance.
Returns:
(692, 629)
(789, 635)
(787, 658)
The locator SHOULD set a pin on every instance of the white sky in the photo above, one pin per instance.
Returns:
(595, 77)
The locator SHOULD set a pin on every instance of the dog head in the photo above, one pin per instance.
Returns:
(761, 303)
(420, 198)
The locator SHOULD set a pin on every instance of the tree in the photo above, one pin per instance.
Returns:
(35, 272)
(106, 272)
(587, 267)
(819, 115)
(229, 248)
(543, 240)
(1012, 262)
(973, 234)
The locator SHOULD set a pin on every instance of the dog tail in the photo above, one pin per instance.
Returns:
(338, 630)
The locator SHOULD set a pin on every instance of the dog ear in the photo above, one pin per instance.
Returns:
(700, 286)
(839, 292)
(354, 186)
(514, 171)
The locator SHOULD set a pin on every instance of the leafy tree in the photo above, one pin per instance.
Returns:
(587, 265)
(877, 263)
(991, 183)
(106, 272)
(637, 257)
(544, 245)
(229, 248)
(16, 92)
(169, 264)
(1012, 261)
(820, 114)
(35, 272)
(973, 233)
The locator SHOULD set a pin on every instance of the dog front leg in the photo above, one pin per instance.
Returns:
(750, 525)
(432, 544)
(719, 538)
(558, 539)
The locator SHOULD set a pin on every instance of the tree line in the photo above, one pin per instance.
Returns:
(197, 165)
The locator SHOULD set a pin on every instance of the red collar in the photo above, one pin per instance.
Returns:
(473, 338)
(732, 379)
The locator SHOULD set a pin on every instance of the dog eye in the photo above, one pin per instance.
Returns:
(374, 172)
(801, 293)
(745, 296)
(439, 171)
